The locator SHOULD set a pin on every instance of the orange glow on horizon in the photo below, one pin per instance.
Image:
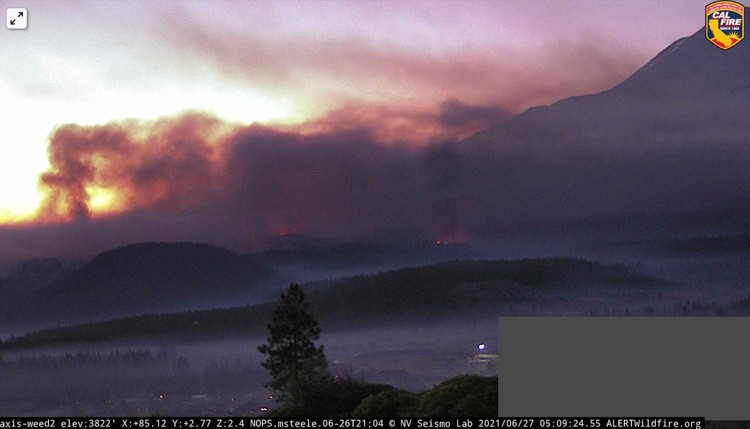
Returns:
(282, 228)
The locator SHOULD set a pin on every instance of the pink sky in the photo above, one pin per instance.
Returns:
(395, 66)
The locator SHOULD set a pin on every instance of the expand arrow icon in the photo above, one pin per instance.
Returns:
(20, 14)
(12, 22)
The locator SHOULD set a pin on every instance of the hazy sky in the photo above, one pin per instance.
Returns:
(406, 68)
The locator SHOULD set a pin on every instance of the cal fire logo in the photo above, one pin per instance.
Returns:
(725, 23)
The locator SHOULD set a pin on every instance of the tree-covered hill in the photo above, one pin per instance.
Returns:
(142, 278)
(429, 292)
(476, 286)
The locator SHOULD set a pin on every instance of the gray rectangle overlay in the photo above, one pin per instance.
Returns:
(624, 366)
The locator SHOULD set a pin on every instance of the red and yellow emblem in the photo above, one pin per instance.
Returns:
(725, 23)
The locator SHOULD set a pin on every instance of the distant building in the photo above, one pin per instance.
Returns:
(483, 364)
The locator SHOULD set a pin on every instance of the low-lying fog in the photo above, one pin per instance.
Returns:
(224, 377)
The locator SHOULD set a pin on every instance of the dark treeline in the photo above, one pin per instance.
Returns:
(467, 285)
(434, 291)
(741, 308)
(233, 321)
(81, 358)
(686, 309)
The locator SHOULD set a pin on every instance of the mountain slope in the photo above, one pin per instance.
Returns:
(671, 138)
(689, 92)
(149, 277)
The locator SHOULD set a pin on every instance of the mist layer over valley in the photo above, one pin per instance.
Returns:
(410, 327)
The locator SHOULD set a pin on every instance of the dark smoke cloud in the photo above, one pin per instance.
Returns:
(455, 113)
(271, 182)
(353, 175)
(450, 120)
(171, 164)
